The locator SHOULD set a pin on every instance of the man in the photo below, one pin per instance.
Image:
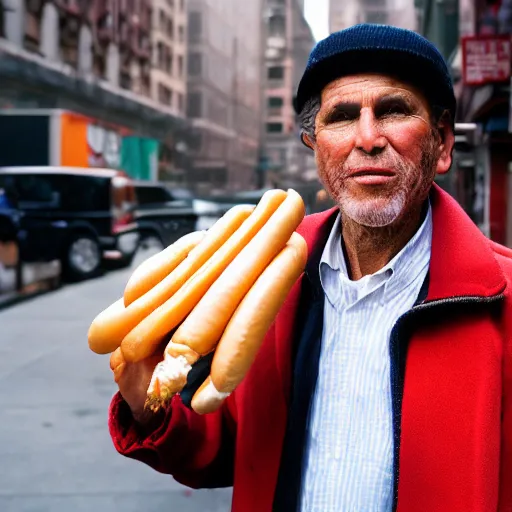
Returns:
(386, 381)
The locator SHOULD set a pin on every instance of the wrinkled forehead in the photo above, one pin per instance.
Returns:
(367, 88)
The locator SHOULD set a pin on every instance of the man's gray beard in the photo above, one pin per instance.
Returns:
(366, 213)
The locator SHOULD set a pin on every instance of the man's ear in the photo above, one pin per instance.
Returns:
(306, 140)
(446, 143)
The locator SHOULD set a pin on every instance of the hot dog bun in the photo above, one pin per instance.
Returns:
(246, 330)
(207, 398)
(203, 327)
(103, 335)
(153, 270)
(143, 339)
(111, 326)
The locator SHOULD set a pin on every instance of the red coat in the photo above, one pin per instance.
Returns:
(456, 430)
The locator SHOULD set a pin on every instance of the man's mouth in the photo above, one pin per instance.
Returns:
(371, 176)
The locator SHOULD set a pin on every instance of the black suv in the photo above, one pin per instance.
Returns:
(163, 215)
(79, 216)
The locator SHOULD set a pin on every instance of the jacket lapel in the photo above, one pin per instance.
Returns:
(450, 424)
(261, 444)
(315, 230)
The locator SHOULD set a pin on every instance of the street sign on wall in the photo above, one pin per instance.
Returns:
(486, 59)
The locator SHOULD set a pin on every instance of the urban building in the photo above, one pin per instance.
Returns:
(399, 13)
(169, 80)
(168, 38)
(343, 15)
(106, 39)
(480, 59)
(92, 58)
(224, 93)
(289, 41)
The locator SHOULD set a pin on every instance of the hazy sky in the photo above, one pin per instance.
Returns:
(317, 12)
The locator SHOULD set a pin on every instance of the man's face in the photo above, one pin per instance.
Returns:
(376, 150)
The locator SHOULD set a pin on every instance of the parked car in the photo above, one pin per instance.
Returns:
(162, 214)
(79, 216)
(210, 209)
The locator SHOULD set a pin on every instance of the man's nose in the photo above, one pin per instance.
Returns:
(368, 136)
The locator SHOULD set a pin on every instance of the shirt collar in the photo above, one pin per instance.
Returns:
(396, 275)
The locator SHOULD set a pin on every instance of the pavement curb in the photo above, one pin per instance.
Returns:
(17, 298)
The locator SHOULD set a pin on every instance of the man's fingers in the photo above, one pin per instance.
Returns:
(135, 377)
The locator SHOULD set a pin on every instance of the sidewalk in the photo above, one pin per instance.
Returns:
(37, 278)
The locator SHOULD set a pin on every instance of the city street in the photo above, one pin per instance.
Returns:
(55, 450)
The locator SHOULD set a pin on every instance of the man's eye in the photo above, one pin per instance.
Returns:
(393, 110)
(396, 110)
(339, 117)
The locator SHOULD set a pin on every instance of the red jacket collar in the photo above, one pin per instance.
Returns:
(462, 262)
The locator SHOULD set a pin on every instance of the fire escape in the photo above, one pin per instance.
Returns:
(72, 15)
(135, 46)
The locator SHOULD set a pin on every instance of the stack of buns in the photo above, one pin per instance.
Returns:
(216, 292)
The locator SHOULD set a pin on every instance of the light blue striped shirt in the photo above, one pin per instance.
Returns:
(349, 456)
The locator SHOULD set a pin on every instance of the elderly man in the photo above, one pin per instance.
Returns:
(386, 381)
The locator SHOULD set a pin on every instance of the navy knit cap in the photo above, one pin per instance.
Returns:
(379, 49)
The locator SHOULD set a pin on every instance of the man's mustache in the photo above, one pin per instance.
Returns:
(390, 161)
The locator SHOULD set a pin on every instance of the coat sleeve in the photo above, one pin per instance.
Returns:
(198, 451)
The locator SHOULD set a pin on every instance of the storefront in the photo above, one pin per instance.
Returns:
(481, 179)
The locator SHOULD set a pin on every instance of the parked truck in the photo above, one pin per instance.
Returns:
(62, 138)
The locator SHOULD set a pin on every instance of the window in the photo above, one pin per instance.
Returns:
(164, 94)
(195, 64)
(160, 55)
(37, 192)
(170, 28)
(195, 26)
(168, 60)
(276, 72)
(58, 192)
(161, 16)
(181, 33)
(164, 57)
(180, 65)
(125, 80)
(275, 102)
(181, 103)
(151, 195)
(195, 107)
(274, 127)
(276, 26)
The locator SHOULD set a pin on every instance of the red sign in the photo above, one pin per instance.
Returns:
(486, 59)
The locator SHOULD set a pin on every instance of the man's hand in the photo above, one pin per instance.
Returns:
(133, 380)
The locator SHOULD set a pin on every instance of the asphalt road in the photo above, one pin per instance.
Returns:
(56, 454)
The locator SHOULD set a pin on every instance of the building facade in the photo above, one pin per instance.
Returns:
(169, 70)
(92, 58)
(481, 176)
(399, 13)
(106, 39)
(289, 41)
(169, 80)
(224, 93)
